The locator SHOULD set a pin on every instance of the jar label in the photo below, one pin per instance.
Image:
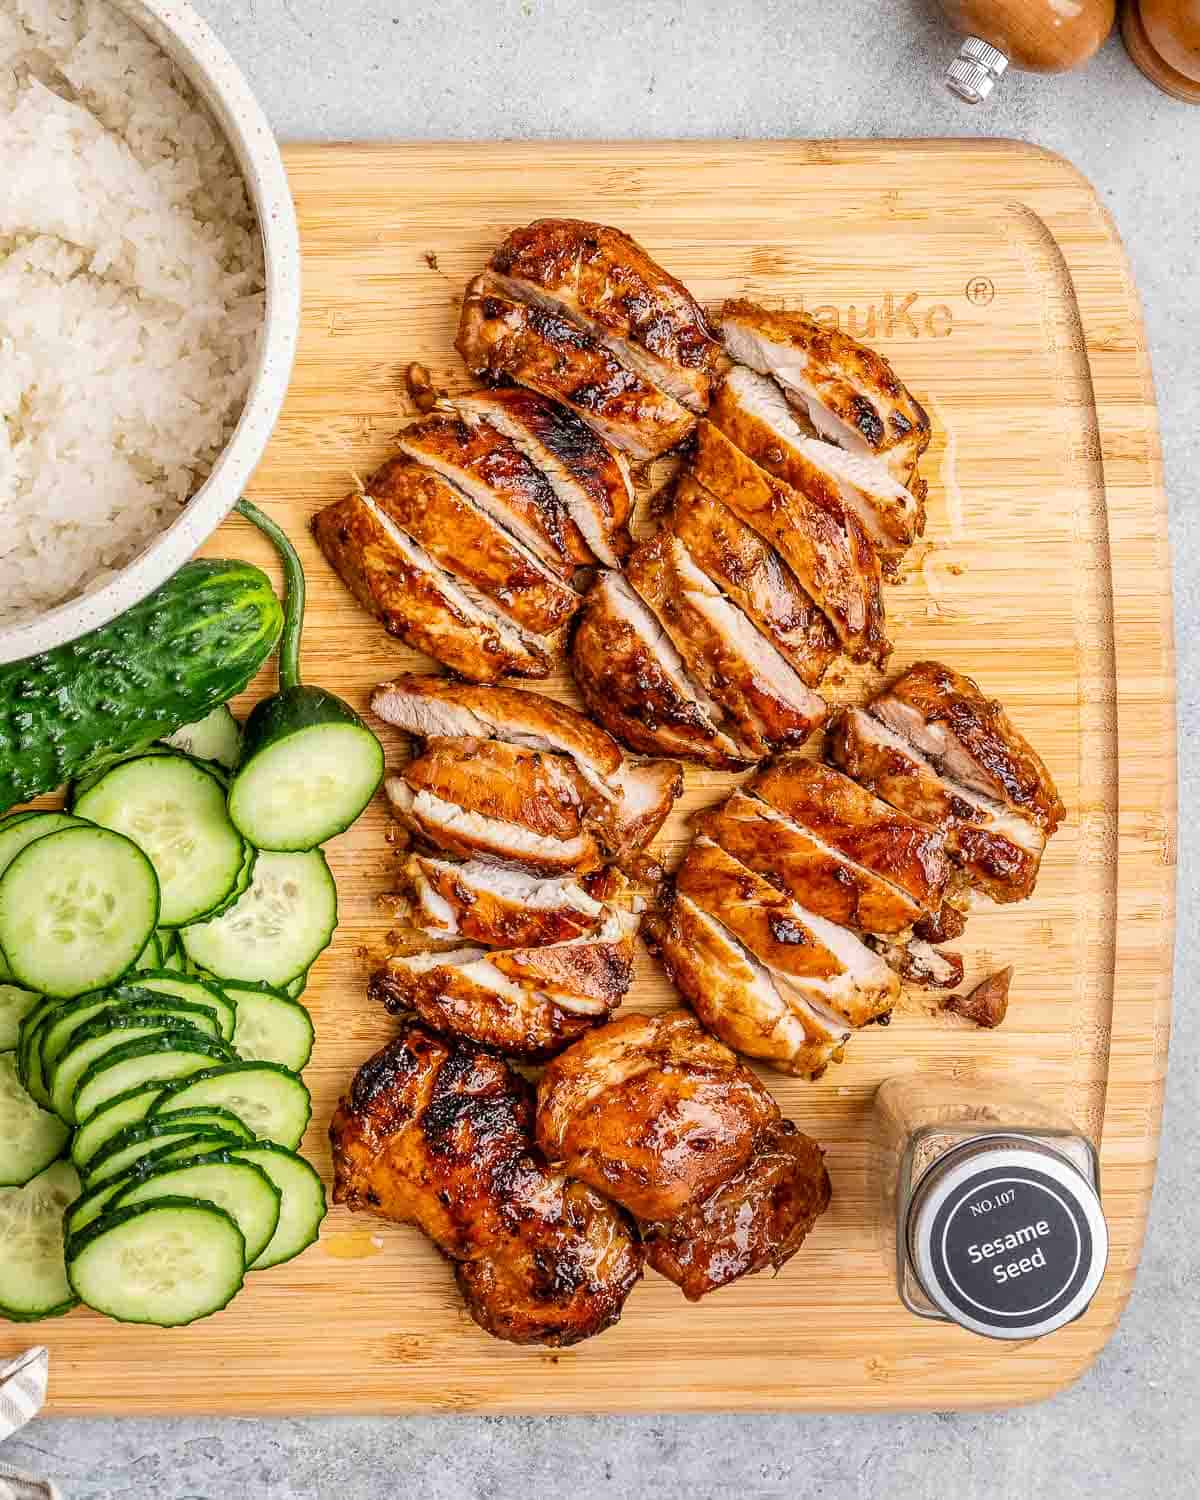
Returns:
(1011, 1246)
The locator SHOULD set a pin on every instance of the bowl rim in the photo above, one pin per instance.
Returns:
(203, 59)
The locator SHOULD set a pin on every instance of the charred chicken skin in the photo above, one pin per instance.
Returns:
(437, 1135)
(756, 1219)
(651, 1111)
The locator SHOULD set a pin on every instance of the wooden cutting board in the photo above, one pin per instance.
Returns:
(991, 275)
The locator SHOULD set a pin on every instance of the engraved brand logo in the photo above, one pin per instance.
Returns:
(893, 316)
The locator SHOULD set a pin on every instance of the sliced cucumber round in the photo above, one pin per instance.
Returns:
(33, 1278)
(15, 1005)
(309, 767)
(92, 1202)
(151, 956)
(271, 1027)
(302, 1208)
(112, 1117)
(216, 737)
(167, 1262)
(27, 829)
(174, 810)
(243, 883)
(155, 1059)
(273, 1102)
(106, 1033)
(242, 1189)
(30, 1136)
(277, 929)
(294, 988)
(140, 1146)
(76, 909)
(199, 991)
(53, 1032)
(206, 1117)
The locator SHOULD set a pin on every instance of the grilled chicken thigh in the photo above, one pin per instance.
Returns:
(754, 577)
(970, 739)
(998, 851)
(763, 696)
(737, 998)
(606, 282)
(590, 478)
(503, 338)
(821, 878)
(496, 907)
(635, 682)
(631, 801)
(489, 469)
(756, 1219)
(466, 542)
(831, 555)
(852, 821)
(492, 800)
(439, 1135)
(397, 580)
(751, 411)
(525, 1002)
(850, 393)
(652, 1112)
(825, 964)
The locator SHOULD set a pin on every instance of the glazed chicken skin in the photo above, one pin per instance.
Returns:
(651, 1111)
(438, 1135)
(756, 1219)
(395, 579)
(602, 279)
(764, 698)
(850, 393)
(830, 553)
(503, 338)
(590, 478)
(495, 907)
(753, 576)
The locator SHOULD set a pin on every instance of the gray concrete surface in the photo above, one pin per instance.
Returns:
(614, 68)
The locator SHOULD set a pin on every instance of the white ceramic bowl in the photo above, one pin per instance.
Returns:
(216, 78)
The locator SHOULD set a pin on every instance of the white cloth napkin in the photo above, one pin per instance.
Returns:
(22, 1394)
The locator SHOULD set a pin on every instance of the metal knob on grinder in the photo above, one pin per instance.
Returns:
(1037, 36)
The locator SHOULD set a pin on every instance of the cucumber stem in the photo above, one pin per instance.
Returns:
(293, 593)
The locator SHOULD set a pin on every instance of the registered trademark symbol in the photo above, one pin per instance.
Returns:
(980, 291)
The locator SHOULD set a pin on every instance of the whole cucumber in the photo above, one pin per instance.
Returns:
(169, 660)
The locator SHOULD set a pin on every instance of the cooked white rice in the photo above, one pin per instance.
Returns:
(131, 297)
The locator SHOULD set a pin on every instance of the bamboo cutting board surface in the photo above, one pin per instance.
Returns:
(992, 277)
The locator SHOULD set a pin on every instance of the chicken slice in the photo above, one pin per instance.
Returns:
(438, 1135)
(765, 699)
(503, 338)
(399, 583)
(998, 851)
(751, 411)
(498, 908)
(590, 478)
(831, 557)
(756, 1219)
(635, 682)
(497, 477)
(470, 545)
(818, 876)
(843, 815)
(525, 1002)
(647, 791)
(606, 281)
(823, 962)
(736, 997)
(492, 800)
(754, 577)
(851, 394)
(918, 962)
(970, 739)
(651, 1111)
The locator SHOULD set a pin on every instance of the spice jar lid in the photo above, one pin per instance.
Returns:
(1007, 1239)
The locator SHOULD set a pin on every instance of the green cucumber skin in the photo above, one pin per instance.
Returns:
(288, 713)
(168, 661)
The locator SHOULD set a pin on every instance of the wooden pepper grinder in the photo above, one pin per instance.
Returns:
(1163, 38)
(1040, 36)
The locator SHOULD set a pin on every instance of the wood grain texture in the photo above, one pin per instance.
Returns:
(989, 273)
